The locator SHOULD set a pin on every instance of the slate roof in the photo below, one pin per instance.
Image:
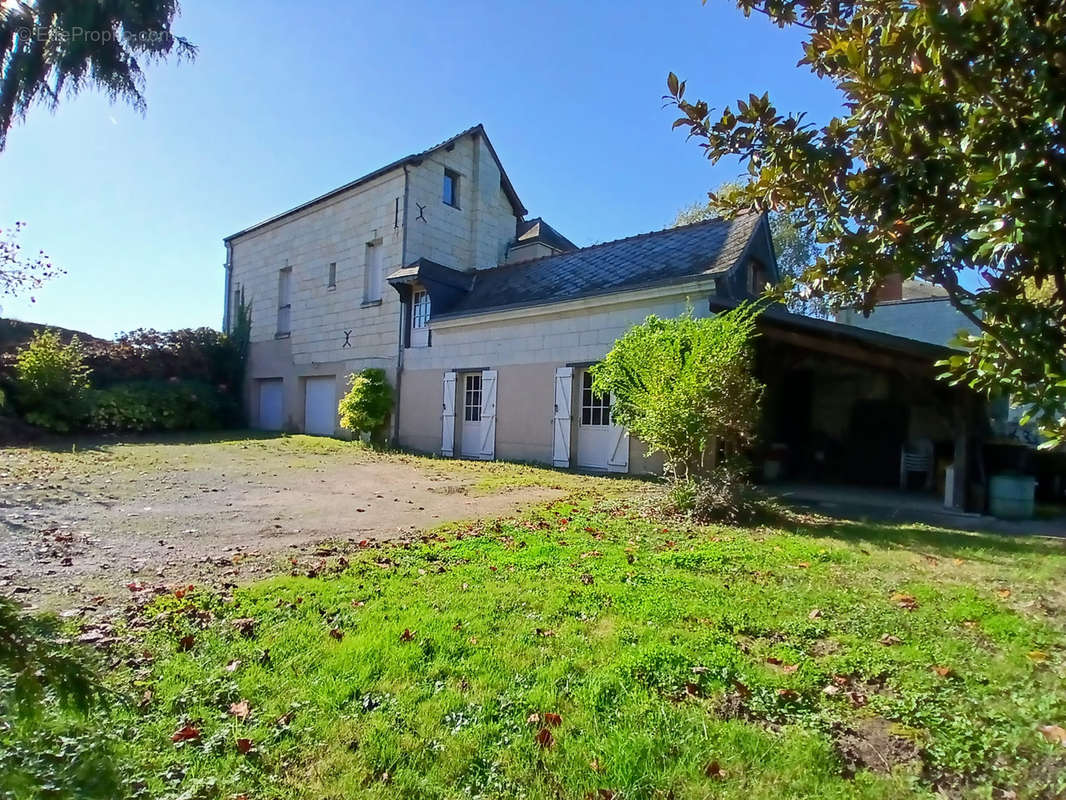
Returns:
(414, 158)
(675, 255)
(537, 230)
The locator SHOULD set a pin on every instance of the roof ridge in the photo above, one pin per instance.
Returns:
(646, 234)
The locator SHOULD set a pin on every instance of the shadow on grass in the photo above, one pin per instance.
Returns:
(926, 538)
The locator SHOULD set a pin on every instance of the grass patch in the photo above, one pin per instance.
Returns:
(588, 650)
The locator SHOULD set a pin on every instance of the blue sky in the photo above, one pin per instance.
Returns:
(282, 105)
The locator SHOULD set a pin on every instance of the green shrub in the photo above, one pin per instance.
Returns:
(685, 387)
(160, 406)
(366, 407)
(51, 381)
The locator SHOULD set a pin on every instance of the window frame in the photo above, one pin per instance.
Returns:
(595, 408)
(284, 309)
(450, 175)
(373, 273)
(421, 312)
(472, 397)
(331, 276)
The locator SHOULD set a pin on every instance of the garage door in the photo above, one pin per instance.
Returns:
(320, 406)
(271, 415)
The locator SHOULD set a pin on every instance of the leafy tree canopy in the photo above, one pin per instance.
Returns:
(951, 155)
(51, 46)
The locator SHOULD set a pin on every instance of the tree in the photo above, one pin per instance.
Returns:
(17, 272)
(51, 46)
(795, 247)
(368, 403)
(52, 381)
(951, 156)
(685, 387)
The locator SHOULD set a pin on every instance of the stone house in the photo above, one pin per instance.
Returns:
(487, 323)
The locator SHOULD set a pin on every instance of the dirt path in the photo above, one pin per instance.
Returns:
(79, 526)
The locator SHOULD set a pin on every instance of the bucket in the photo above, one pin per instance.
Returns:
(1011, 496)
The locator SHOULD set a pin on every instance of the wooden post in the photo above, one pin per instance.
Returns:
(962, 452)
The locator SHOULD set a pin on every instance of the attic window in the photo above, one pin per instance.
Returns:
(450, 193)
(757, 278)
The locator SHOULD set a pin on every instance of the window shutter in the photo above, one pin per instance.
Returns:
(447, 439)
(488, 414)
(564, 387)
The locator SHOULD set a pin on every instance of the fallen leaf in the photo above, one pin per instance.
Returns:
(777, 662)
(1004, 593)
(788, 669)
(857, 699)
(742, 690)
(586, 579)
(714, 770)
(407, 635)
(1054, 733)
(595, 765)
(816, 613)
(958, 562)
(831, 690)
(245, 625)
(233, 665)
(545, 738)
(240, 710)
(473, 640)
(185, 643)
(888, 640)
(905, 601)
(600, 794)
(944, 672)
(788, 694)
(545, 632)
(552, 720)
(185, 734)
(284, 719)
(244, 746)
(692, 689)
(336, 633)
(804, 564)
(533, 719)
(1037, 655)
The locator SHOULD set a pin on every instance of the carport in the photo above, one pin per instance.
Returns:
(842, 402)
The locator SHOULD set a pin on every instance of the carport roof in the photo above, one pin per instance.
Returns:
(780, 319)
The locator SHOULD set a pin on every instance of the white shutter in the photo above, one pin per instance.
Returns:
(618, 460)
(488, 414)
(564, 387)
(447, 438)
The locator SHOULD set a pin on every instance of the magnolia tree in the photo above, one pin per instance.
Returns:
(948, 161)
(684, 387)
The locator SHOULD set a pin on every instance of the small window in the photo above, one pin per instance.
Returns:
(472, 398)
(331, 275)
(420, 309)
(451, 188)
(757, 278)
(595, 408)
(284, 302)
(374, 278)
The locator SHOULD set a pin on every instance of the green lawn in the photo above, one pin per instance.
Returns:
(590, 650)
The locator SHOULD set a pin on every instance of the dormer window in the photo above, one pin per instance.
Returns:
(420, 308)
(450, 193)
(757, 278)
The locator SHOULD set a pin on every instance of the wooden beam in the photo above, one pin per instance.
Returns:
(851, 352)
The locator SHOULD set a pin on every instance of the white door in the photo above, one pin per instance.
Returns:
(320, 406)
(447, 436)
(271, 416)
(564, 388)
(488, 414)
(472, 406)
(600, 444)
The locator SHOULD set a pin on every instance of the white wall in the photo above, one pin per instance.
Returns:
(337, 230)
(932, 320)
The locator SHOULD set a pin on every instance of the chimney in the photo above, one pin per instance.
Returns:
(891, 288)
